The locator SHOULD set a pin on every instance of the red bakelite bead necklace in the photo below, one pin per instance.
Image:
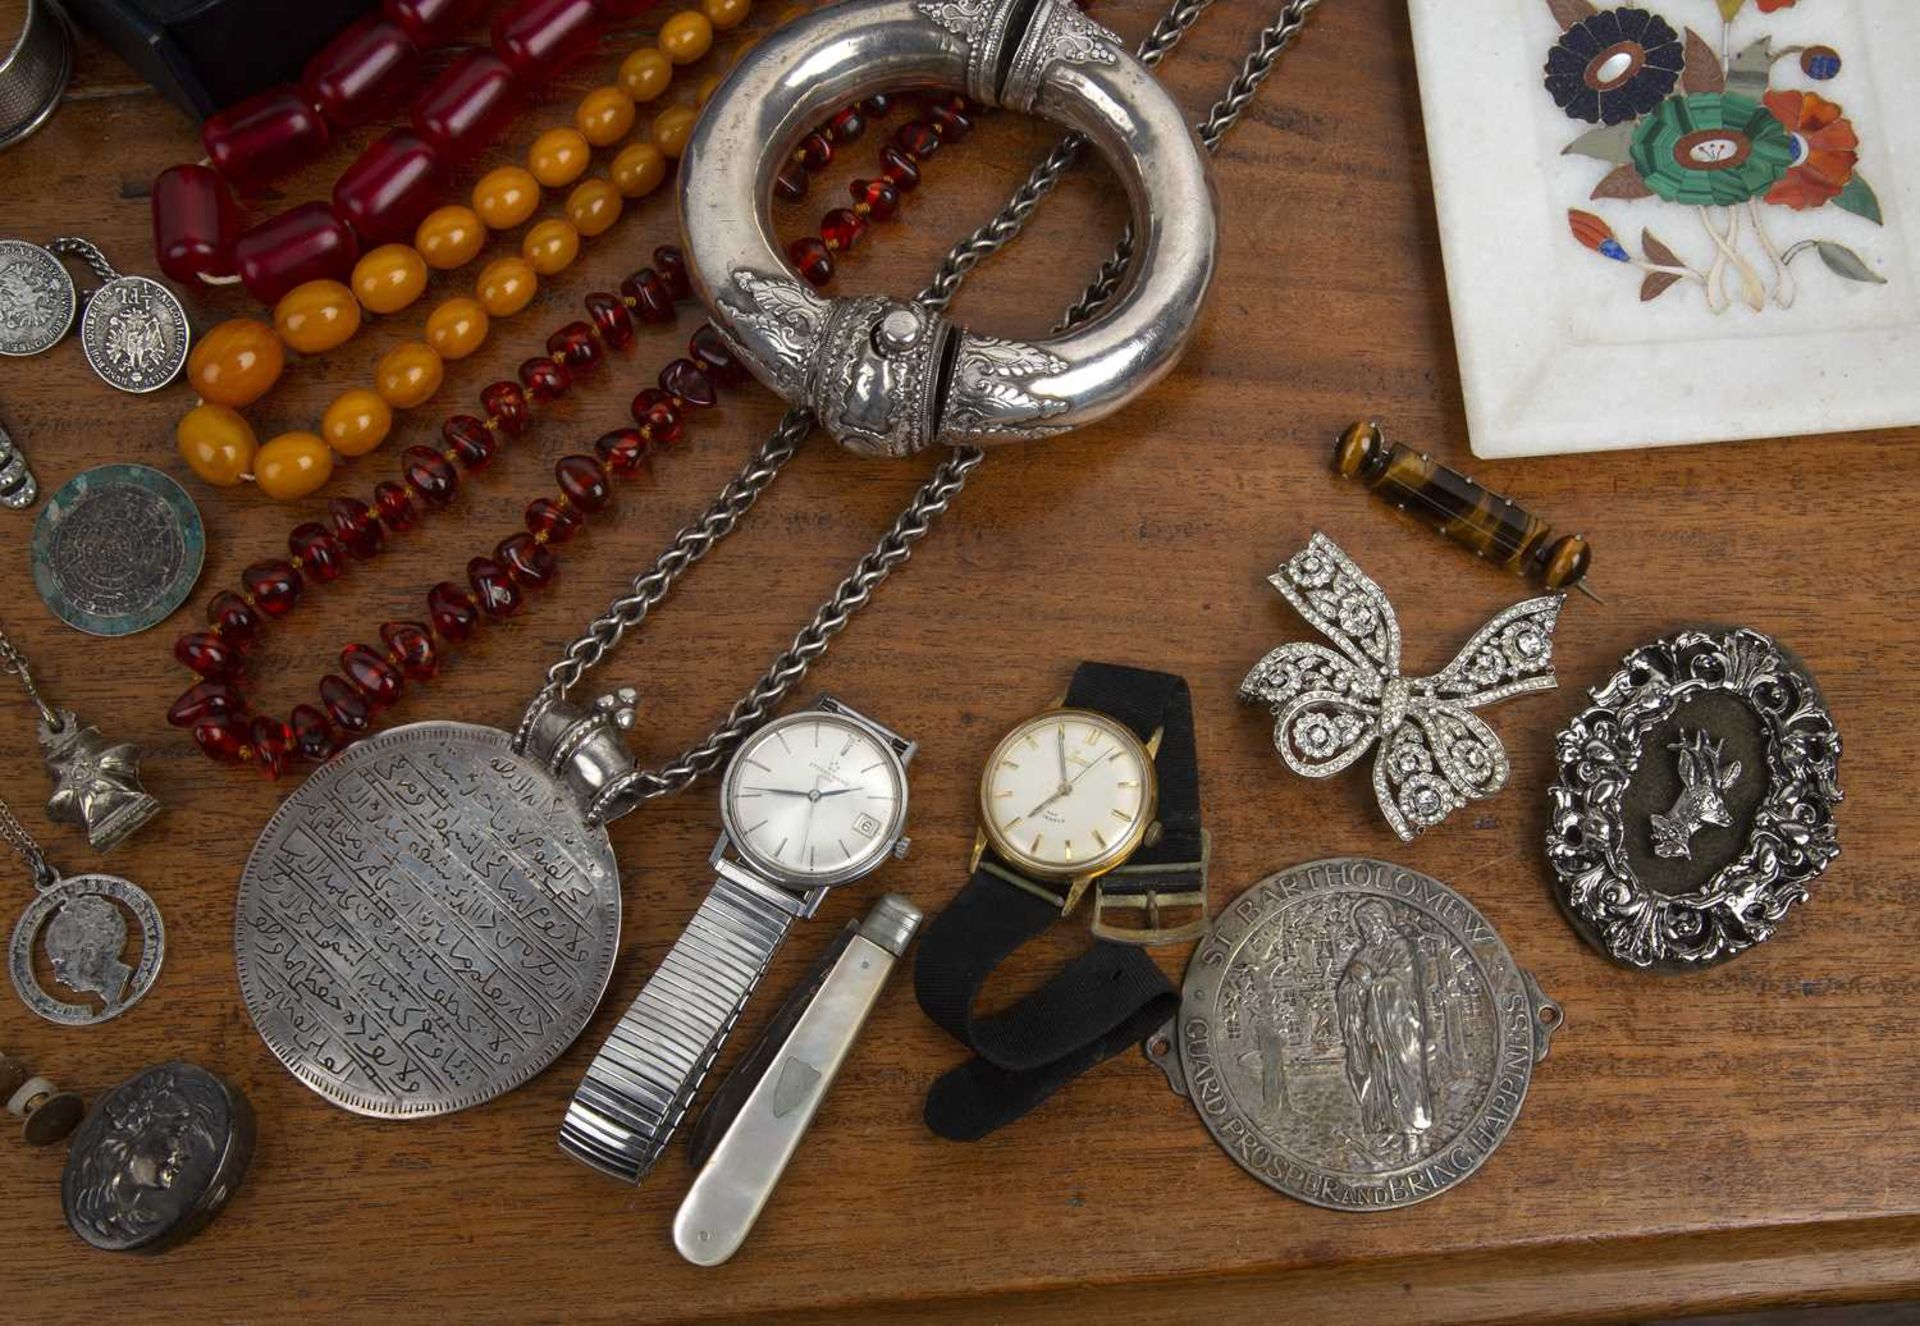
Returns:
(498, 580)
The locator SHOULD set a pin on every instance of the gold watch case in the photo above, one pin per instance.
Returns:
(1080, 874)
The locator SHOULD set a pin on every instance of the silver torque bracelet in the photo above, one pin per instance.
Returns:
(886, 377)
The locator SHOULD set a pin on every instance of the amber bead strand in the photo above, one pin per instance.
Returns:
(238, 361)
(372, 679)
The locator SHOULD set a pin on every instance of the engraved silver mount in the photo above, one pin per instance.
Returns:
(586, 749)
(1634, 728)
(886, 377)
(1331, 706)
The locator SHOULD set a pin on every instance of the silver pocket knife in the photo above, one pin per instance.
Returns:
(758, 1115)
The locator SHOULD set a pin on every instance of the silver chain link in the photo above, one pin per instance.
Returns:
(88, 252)
(22, 842)
(948, 478)
(12, 660)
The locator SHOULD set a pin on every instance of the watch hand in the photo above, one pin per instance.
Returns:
(780, 791)
(1063, 789)
(1084, 772)
(1061, 732)
(806, 822)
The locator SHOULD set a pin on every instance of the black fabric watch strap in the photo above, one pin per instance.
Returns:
(1176, 861)
(1106, 999)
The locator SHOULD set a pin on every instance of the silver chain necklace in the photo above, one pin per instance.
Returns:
(949, 477)
(433, 915)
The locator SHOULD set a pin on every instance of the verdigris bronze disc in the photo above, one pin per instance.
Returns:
(426, 923)
(117, 549)
(1355, 1034)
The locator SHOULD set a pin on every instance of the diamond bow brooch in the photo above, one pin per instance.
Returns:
(1329, 707)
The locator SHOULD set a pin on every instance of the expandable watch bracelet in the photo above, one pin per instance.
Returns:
(814, 799)
(638, 1087)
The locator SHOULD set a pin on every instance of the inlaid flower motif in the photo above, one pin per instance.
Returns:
(1615, 66)
(1597, 235)
(1711, 149)
(1821, 63)
(1768, 6)
(1826, 150)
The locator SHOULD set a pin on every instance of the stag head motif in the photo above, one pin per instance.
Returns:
(1702, 780)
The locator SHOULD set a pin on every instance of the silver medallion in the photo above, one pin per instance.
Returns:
(117, 549)
(1355, 1034)
(37, 299)
(1695, 801)
(426, 923)
(156, 1158)
(80, 923)
(135, 334)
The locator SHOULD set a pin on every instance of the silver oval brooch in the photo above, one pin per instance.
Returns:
(1694, 804)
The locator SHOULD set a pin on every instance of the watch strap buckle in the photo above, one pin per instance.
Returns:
(1153, 890)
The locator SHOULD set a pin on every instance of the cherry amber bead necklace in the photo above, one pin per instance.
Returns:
(238, 361)
(371, 679)
(388, 188)
(352, 79)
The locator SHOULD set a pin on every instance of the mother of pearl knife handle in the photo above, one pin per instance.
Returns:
(747, 1161)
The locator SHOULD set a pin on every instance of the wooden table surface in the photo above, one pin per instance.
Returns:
(1732, 1138)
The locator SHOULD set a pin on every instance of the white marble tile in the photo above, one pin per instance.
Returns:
(1558, 351)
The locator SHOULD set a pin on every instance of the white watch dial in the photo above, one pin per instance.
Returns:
(1068, 793)
(814, 797)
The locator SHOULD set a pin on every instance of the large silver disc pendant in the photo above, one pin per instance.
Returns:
(81, 924)
(117, 549)
(156, 1159)
(1355, 1034)
(426, 923)
(37, 299)
(135, 334)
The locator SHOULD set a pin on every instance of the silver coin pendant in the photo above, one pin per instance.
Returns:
(37, 299)
(135, 334)
(80, 924)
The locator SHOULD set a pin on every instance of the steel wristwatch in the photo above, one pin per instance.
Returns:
(813, 800)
